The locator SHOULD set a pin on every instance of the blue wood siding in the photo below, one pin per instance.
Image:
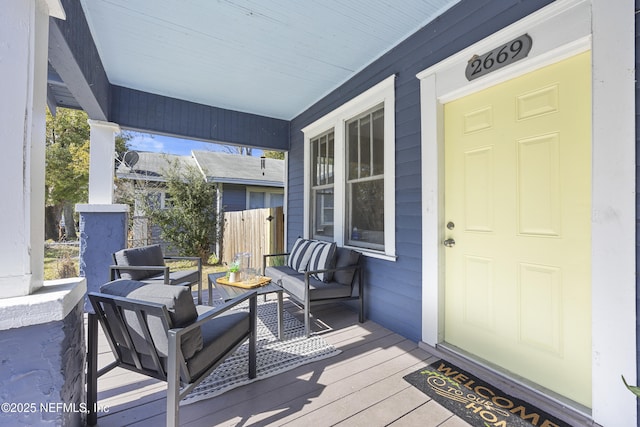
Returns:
(234, 197)
(133, 109)
(394, 289)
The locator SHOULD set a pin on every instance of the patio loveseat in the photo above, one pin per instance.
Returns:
(318, 272)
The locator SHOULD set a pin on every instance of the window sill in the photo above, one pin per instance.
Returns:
(373, 254)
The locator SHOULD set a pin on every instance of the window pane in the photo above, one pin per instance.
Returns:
(330, 158)
(378, 142)
(323, 160)
(276, 200)
(323, 218)
(365, 147)
(315, 174)
(352, 149)
(366, 222)
(256, 200)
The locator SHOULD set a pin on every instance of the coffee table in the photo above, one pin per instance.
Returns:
(228, 292)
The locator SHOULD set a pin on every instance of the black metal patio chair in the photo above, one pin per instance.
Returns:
(158, 331)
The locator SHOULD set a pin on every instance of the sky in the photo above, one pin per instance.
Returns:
(170, 145)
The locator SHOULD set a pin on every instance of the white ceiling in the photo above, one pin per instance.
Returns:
(268, 57)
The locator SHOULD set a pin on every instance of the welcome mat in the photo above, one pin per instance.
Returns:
(475, 401)
(272, 355)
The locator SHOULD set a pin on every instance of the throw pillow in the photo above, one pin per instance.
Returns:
(300, 254)
(322, 258)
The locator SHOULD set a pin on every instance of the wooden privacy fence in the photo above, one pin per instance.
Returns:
(256, 231)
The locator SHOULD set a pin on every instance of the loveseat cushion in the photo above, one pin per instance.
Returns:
(179, 303)
(143, 256)
(276, 273)
(318, 290)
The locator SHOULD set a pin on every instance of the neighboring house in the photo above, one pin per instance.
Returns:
(241, 182)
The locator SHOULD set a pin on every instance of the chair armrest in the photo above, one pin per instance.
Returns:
(332, 270)
(160, 268)
(203, 318)
(264, 259)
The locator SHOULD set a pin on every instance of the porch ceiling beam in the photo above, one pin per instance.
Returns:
(75, 58)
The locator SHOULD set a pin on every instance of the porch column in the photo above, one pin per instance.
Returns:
(101, 161)
(103, 225)
(41, 325)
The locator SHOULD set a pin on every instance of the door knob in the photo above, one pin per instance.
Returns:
(449, 243)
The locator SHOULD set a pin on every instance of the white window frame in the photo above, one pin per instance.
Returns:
(320, 187)
(382, 93)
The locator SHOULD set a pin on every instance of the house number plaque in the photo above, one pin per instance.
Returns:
(499, 57)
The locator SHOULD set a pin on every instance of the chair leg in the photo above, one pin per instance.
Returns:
(92, 369)
(173, 382)
(253, 310)
(307, 320)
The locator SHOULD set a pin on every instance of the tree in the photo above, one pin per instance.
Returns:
(190, 223)
(279, 155)
(67, 167)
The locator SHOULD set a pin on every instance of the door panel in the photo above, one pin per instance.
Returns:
(518, 190)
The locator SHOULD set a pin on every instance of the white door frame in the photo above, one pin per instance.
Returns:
(562, 29)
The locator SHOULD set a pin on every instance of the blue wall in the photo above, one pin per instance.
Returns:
(133, 109)
(234, 197)
(393, 289)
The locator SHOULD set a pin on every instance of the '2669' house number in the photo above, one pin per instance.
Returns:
(499, 57)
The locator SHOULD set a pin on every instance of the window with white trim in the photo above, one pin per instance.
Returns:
(365, 180)
(322, 178)
(349, 180)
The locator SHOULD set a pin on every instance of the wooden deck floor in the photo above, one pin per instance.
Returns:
(362, 386)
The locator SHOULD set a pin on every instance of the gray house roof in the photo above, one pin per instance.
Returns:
(151, 166)
(235, 169)
(215, 166)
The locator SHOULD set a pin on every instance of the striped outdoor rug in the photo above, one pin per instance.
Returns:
(273, 356)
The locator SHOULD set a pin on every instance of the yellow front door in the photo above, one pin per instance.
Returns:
(517, 212)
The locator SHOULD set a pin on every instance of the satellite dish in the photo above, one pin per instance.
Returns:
(130, 158)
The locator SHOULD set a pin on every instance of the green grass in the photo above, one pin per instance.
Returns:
(61, 261)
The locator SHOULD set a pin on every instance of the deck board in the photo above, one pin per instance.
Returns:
(362, 386)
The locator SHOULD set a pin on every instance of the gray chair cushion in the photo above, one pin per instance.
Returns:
(318, 290)
(345, 258)
(145, 255)
(179, 303)
(219, 334)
